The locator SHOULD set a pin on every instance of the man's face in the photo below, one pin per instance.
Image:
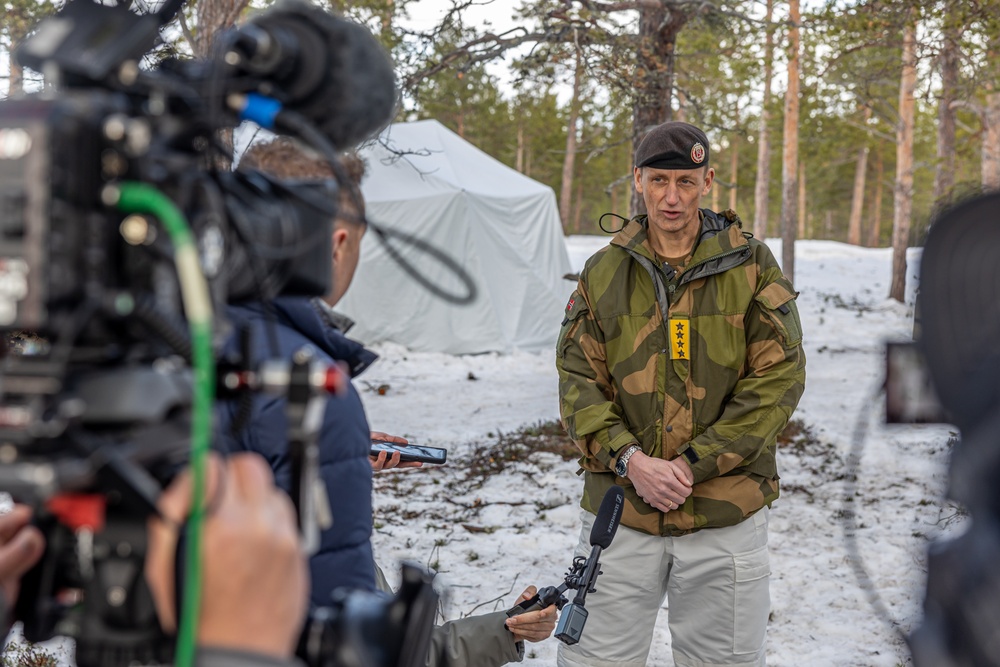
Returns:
(673, 196)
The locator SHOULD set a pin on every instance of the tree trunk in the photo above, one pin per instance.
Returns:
(213, 17)
(875, 230)
(578, 208)
(520, 148)
(858, 196)
(764, 140)
(566, 189)
(387, 34)
(15, 85)
(790, 156)
(903, 195)
(734, 166)
(654, 74)
(991, 123)
(991, 142)
(801, 203)
(944, 175)
(681, 114)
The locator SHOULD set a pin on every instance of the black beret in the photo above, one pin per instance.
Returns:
(673, 145)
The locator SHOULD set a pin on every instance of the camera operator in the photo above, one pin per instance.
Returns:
(344, 558)
(477, 641)
(255, 577)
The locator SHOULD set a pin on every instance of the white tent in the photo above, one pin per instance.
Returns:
(499, 225)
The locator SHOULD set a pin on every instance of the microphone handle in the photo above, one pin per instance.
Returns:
(589, 577)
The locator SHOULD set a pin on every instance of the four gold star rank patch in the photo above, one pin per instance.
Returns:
(680, 344)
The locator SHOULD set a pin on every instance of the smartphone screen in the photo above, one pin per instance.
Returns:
(411, 452)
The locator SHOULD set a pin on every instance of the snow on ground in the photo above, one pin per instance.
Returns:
(489, 537)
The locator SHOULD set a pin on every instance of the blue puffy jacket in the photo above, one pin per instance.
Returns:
(345, 556)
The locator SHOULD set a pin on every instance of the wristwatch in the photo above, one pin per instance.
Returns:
(621, 466)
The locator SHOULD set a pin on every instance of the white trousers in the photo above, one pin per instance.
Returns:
(716, 585)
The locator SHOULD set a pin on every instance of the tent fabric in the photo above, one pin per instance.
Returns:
(501, 226)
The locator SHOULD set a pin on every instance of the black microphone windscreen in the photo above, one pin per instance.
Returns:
(608, 518)
(331, 70)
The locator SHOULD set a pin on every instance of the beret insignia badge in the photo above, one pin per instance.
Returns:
(698, 153)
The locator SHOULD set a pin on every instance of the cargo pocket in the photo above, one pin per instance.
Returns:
(777, 302)
(752, 603)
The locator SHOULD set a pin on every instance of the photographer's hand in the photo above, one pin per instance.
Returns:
(385, 462)
(21, 545)
(532, 626)
(256, 581)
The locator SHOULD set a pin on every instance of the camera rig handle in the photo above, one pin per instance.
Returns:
(305, 408)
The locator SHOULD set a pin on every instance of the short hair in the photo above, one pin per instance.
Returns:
(284, 158)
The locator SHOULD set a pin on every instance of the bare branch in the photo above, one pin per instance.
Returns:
(618, 181)
(494, 600)
(870, 130)
(974, 107)
(608, 7)
(487, 46)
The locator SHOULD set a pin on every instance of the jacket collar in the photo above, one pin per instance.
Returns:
(307, 317)
(720, 233)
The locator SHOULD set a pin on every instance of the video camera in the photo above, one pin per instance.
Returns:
(123, 232)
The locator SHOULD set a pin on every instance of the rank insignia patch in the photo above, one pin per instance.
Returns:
(680, 345)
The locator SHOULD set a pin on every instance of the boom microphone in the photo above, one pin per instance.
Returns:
(330, 70)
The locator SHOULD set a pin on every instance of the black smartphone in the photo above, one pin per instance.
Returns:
(410, 452)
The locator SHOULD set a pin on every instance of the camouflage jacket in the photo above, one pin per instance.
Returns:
(705, 364)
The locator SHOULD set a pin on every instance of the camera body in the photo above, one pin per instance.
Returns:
(62, 244)
(97, 417)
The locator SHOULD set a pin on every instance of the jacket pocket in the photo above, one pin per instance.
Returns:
(777, 303)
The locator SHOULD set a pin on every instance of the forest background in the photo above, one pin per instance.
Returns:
(849, 121)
